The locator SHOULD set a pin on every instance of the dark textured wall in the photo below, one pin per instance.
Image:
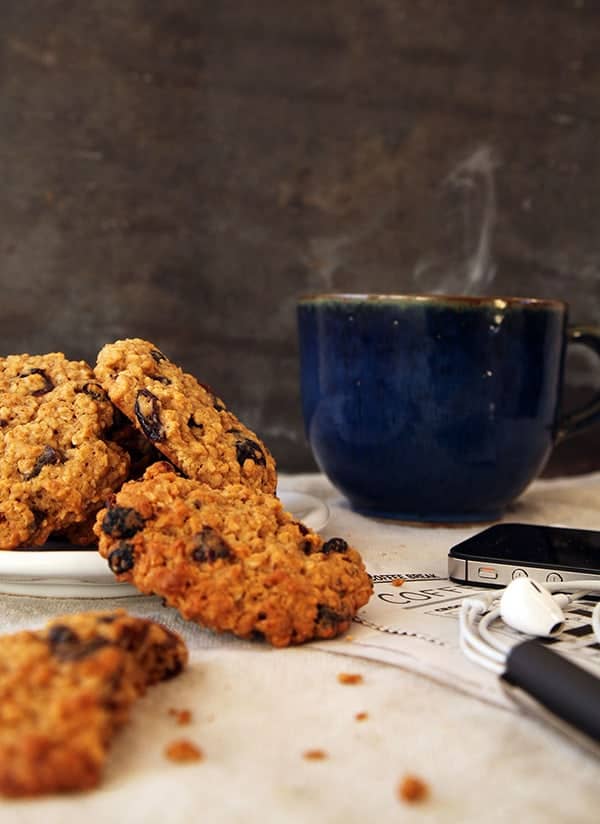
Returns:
(183, 170)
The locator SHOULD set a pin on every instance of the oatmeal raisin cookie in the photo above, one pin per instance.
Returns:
(56, 466)
(183, 418)
(231, 559)
(66, 689)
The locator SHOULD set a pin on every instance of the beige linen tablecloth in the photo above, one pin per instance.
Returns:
(256, 710)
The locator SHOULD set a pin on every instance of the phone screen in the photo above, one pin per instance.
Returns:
(527, 543)
(501, 552)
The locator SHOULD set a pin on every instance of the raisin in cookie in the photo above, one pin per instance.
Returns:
(183, 418)
(231, 559)
(141, 451)
(66, 689)
(56, 467)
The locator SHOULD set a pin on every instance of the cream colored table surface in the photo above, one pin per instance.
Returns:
(256, 710)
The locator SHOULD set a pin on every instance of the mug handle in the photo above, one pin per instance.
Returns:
(581, 418)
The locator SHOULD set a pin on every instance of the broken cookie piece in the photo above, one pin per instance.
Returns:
(66, 689)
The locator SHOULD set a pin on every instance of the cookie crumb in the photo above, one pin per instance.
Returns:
(397, 582)
(314, 755)
(350, 678)
(183, 751)
(412, 788)
(181, 716)
(361, 716)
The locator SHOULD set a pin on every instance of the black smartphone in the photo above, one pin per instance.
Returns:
(501, 553)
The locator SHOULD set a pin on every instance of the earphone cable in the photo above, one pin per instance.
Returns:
(490, 637)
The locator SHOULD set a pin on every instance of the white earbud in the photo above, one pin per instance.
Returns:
(530, 608)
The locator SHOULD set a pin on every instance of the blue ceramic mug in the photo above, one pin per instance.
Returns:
(435, 408)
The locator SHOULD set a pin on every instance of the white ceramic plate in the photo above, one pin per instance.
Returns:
(306, 508)
(62, 571)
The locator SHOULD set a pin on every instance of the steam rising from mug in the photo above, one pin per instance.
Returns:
(462, 263)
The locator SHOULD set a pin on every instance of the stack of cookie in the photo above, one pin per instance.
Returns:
(203, 528)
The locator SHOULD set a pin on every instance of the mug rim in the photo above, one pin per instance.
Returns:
(496, 301)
